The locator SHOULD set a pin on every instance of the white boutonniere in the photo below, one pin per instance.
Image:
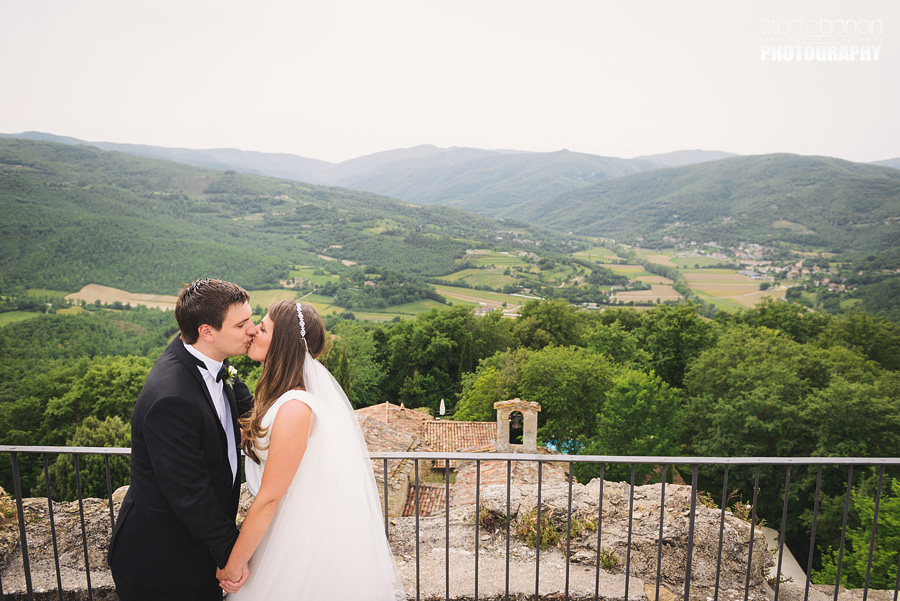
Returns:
(232, 374)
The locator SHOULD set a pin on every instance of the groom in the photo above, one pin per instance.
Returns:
(176, 524)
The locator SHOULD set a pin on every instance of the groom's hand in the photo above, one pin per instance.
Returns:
(232, 579)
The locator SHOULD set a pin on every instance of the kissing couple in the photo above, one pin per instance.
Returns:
(314, 530)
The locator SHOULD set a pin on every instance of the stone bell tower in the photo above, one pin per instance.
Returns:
(510, 412)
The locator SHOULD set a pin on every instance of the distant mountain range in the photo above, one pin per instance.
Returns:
(799, 201)
(813, 202)
(483, 181)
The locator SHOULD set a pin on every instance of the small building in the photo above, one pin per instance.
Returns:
(391, 428)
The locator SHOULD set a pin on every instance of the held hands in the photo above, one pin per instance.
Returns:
(232, 578)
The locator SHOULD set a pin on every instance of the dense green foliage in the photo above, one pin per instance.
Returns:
(886, 550)
(801, 201)
(66, 380)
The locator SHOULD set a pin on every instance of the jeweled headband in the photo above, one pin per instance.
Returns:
(302, 322)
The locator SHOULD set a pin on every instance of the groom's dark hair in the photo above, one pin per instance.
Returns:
(205, 302)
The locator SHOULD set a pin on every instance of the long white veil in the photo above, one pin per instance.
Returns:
(358, 488)
(327, 538)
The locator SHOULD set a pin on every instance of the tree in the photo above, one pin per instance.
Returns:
(871, 335)
(619, 344)
(108, 387)
(442, 345)
(674, 335)
(112, 431)
(854, 566)
(570, 384)
(496, 379)
(641, 415)
(542, 323)
(352, 362)
(794, 320)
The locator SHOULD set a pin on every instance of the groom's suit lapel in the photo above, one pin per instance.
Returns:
(229, 394)
(191, 362)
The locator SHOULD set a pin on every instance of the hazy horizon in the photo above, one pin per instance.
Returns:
(346, 79)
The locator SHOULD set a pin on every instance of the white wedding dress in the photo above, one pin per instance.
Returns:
(326, 541)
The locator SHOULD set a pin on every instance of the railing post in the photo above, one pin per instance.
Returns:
(752, 531)
(787, 489)
(599, 532)
(23, 538)
(874, 530)
(721, 533)
(537, 562)
(112, 516)
(837, 577)
(630, 525)
(662, 514)
(812, 536)
(52, 527)
(385, 481)
(477, 519)
(508, 487)
(569, 533)
(690, 545)
(87, 567)
(418, 553)
(447, 530)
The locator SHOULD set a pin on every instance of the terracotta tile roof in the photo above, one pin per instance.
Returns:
(459, 437)
(408, 420)
(431, 499)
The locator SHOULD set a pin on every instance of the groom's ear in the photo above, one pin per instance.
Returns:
(206, 332)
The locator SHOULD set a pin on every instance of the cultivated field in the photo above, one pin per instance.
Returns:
(491, 276)
(481, 298)
(663, 293)
(728, 289)
(599, 254)
(489, 257)
(264, 298)
(308, 273)
(13, 316)
(108, 296)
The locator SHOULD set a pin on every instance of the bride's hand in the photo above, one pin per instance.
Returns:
(231, 579)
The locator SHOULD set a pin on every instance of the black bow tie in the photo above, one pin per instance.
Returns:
(223, 371)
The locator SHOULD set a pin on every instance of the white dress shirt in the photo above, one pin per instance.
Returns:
(223, 407)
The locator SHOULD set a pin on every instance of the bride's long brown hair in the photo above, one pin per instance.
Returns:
(283, 368)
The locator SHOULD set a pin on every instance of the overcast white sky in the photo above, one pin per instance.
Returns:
(337, 79)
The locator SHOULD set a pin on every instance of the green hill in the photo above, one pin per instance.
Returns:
(483, 181)
(490, 182)
(812, 202)
(74, 215)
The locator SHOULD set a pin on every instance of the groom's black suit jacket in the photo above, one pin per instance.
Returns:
(176, 523)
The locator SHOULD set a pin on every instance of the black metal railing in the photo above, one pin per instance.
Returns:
(696, 468)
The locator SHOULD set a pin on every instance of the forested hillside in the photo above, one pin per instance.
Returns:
(75, 215)
(805, 202)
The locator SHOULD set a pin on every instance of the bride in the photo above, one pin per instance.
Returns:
(315, 529)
